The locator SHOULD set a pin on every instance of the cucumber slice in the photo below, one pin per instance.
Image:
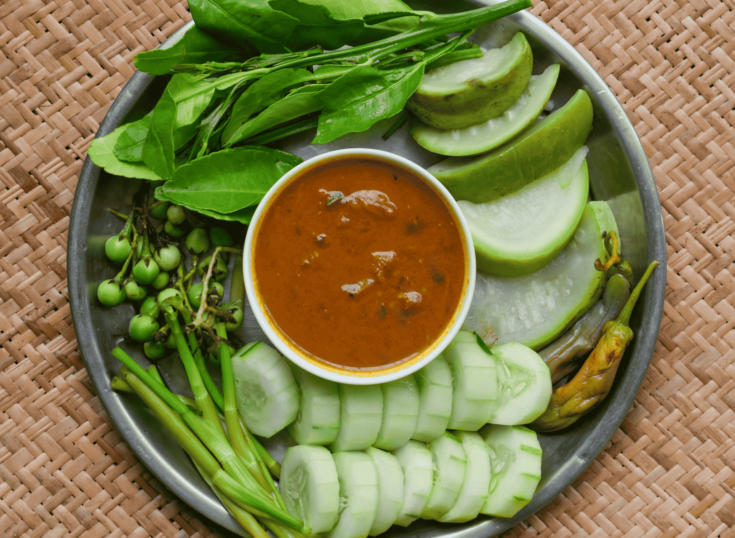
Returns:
(539, 150)
(450, 463)
(494, 132)
(534, 309)
(418, 479)
(515, 460)
(473, 495)
(473, 91)
(434, 382)
(358, 495)
(400, 413)
(361, 412)
(524, 231)
(525, 383)
(310, 487)
(390, 489)
(474, 385)
(267, 395)
(317, 422)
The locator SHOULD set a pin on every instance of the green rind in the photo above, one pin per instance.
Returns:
(480, 100)
(543, 147)
(496, 262)
(494, 132)
(598, 219)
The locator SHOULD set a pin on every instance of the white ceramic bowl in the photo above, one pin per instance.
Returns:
(305, 360)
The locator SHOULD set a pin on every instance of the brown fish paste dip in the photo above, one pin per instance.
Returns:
(359, 263)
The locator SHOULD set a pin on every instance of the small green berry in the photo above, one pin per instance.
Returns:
(173, 230)
(168, 257)
(161, 281)
(143, 328)
(195, 293)
(169, 296)
(219, 272)
(150, 307)
(236, 312)
(146, 271)
(110, 293)
(220, 237)
(154, 350)
(135, 291)
(197, 242)
(176, 214)
(159, 212)
(118, 248)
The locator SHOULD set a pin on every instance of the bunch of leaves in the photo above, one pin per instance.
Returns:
(208, 108)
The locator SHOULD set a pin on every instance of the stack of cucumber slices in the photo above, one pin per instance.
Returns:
(448, 442)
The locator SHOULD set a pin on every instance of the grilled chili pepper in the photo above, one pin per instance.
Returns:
(593, 381)
(562, 356)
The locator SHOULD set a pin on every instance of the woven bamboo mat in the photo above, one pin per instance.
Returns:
(670, 469)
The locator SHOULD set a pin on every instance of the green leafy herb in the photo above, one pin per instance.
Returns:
(228, 180)
(307, 124)
(318, 25)
(300, 102)
(366, 95)
(251, 21)
(129, 146)
(196, 47)
(158, 150)
(243, 216)
(259, 95)
(102, 153)
(336, 197)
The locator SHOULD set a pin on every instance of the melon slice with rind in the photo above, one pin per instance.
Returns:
(522, 232)
(534, 309)
(537, 151)
(473, 91)
(494, 132)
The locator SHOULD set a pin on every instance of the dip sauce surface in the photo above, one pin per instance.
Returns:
(360, 263)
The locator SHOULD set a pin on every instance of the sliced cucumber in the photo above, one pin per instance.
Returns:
(525, 385)
(400, 413)
(534, 309)
(317, 422)
(515, 460)
(358, 495)
(390, 489)
(473, 495)
(474, 385)
(435, 395)
(450, 463)
(494, 132)
(539, 150)
(361, 412)
(473, 91)
(418, 479)
(522, 232)
(310, 487)
(267, 395)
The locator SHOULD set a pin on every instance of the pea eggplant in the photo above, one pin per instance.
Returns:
(594, 380)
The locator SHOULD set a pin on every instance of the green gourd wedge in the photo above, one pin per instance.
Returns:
(534, 309)
(542, 148)
(473, 91)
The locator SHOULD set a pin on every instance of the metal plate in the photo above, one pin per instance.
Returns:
(619, 173)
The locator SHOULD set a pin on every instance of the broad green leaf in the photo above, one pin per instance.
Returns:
(129, 146)
(192, 97)
(359, 99)
(244, 21)
(334, 23)
(229, 180)
(243, 216)
(196, 47)
(261, 94)
(102, 153)
(298, 103)
(158, 150)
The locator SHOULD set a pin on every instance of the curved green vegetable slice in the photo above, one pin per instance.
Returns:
(542, 148)
(473, 91)
(522, 232)
(534, 309)
(495, 131)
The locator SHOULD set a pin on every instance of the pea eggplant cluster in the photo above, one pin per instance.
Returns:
(154, 272)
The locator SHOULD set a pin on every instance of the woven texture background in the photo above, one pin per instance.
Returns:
(670, 469)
